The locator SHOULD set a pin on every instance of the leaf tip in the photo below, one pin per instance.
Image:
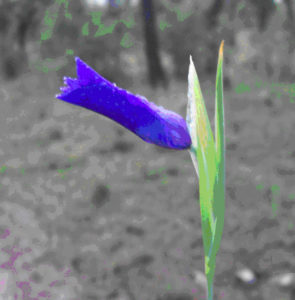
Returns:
(192, 70)
(221, 49)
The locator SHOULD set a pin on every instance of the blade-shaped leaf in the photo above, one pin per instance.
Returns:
(204, 150)
(219, 111)
(209, 161)
(219, 188)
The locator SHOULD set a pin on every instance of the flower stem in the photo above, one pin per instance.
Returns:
(209, 291)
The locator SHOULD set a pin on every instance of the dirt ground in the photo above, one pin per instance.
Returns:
(90, 212)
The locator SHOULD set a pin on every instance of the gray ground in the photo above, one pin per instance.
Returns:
(93, 212)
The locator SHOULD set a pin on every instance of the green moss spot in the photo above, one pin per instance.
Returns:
(259, 186)
(85, 29)
(242, 88)
(164, 24)
(69, 51)
(275, 189)
(3, 168)
(126, 41)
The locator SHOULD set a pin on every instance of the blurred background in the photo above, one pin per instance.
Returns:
(88, 210)
(149, 41)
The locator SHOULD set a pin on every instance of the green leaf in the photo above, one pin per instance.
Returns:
(219, 187)
(202, 152)
(209, 161)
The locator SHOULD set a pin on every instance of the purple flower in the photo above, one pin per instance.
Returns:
(152, 123)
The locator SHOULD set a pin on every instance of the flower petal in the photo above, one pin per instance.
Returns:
(150, 122)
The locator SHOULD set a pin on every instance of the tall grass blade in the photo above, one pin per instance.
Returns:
(203, 148)
(209, 161)
(219, 187)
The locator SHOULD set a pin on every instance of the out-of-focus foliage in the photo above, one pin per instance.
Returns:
(111, 37)
(19, 21)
